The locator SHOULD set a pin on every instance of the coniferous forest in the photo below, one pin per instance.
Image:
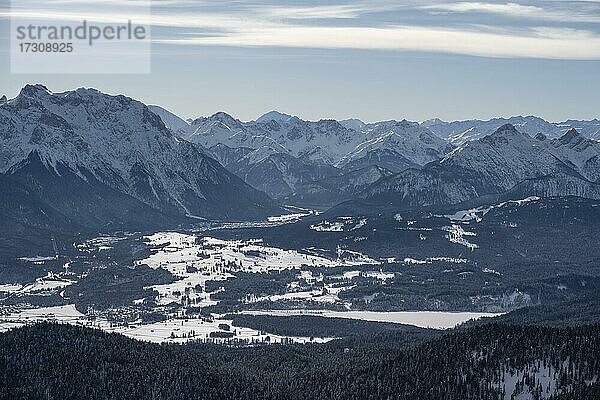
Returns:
(54, 361)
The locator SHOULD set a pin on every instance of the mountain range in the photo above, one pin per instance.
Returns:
(413, 164)
(504, 161)
(283, 154)
(86, 159)
(459, 132)
(82, 159)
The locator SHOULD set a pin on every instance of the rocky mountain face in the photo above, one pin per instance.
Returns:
(579, 152)
(435, 162)
(275, 173)
(395, 145)
(459, 132)
(324, 141)
(176, 124)
(281, 154)
(589, 129)
(507, 160)
(336, 189)
(94, 160)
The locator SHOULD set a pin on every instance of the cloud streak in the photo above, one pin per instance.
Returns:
(546, 43)
(317, 12)
(517, 10)
(342, 26)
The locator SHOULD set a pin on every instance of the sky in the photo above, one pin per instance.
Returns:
(372, 59)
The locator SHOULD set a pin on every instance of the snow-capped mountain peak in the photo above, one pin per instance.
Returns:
(35, 90)
(570, 136)
(219, 116)
(276, 116)
(120, 144)
(509, 130)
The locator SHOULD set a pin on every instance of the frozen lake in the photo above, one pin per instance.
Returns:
(422, 319)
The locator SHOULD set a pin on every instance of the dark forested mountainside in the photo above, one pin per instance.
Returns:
(318, 326)
(492, 361)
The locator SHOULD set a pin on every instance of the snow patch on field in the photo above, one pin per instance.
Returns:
(13, 319)
(182, 330)
(327, 226)
(349, 275)
(174, 330)
(42, 285)
(38, 259)
(328, 295)
(491, 271)
(100, 243)
(342, 224)
(478, 213)
(287, 218)
(10, 287)
(456, 234)
(46, 283)
(360, 224)
(430, 260)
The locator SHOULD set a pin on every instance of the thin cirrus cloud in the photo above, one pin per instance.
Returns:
(286, 27)
(585, 11)
(430, 28)
(547, 43)
(317, 12)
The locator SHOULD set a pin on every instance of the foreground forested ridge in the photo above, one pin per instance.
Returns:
(487, 362)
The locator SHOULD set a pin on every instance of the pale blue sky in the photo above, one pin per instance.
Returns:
(374, 60)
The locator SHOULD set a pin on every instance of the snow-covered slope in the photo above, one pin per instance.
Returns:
(493, 165)
(277, 174)
(459, 132)
(353, 123)
(436, 161)
(282, 154)
(277, 117)
(589, 129)
(581, 153)
(323, 141)
(499, 161)
(326, 141)
(178, 125)
(119, 144)
(397, 145)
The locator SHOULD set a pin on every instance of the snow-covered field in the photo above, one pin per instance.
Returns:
(456, 234)
(216, 260)
(476, 214)
(41, 286)
(423, 319)
(19, 317)
(174, 330)
(181, 330)
(213, 256)
(429, 260)
(287, 218)
(195, 260)
(342, 224)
